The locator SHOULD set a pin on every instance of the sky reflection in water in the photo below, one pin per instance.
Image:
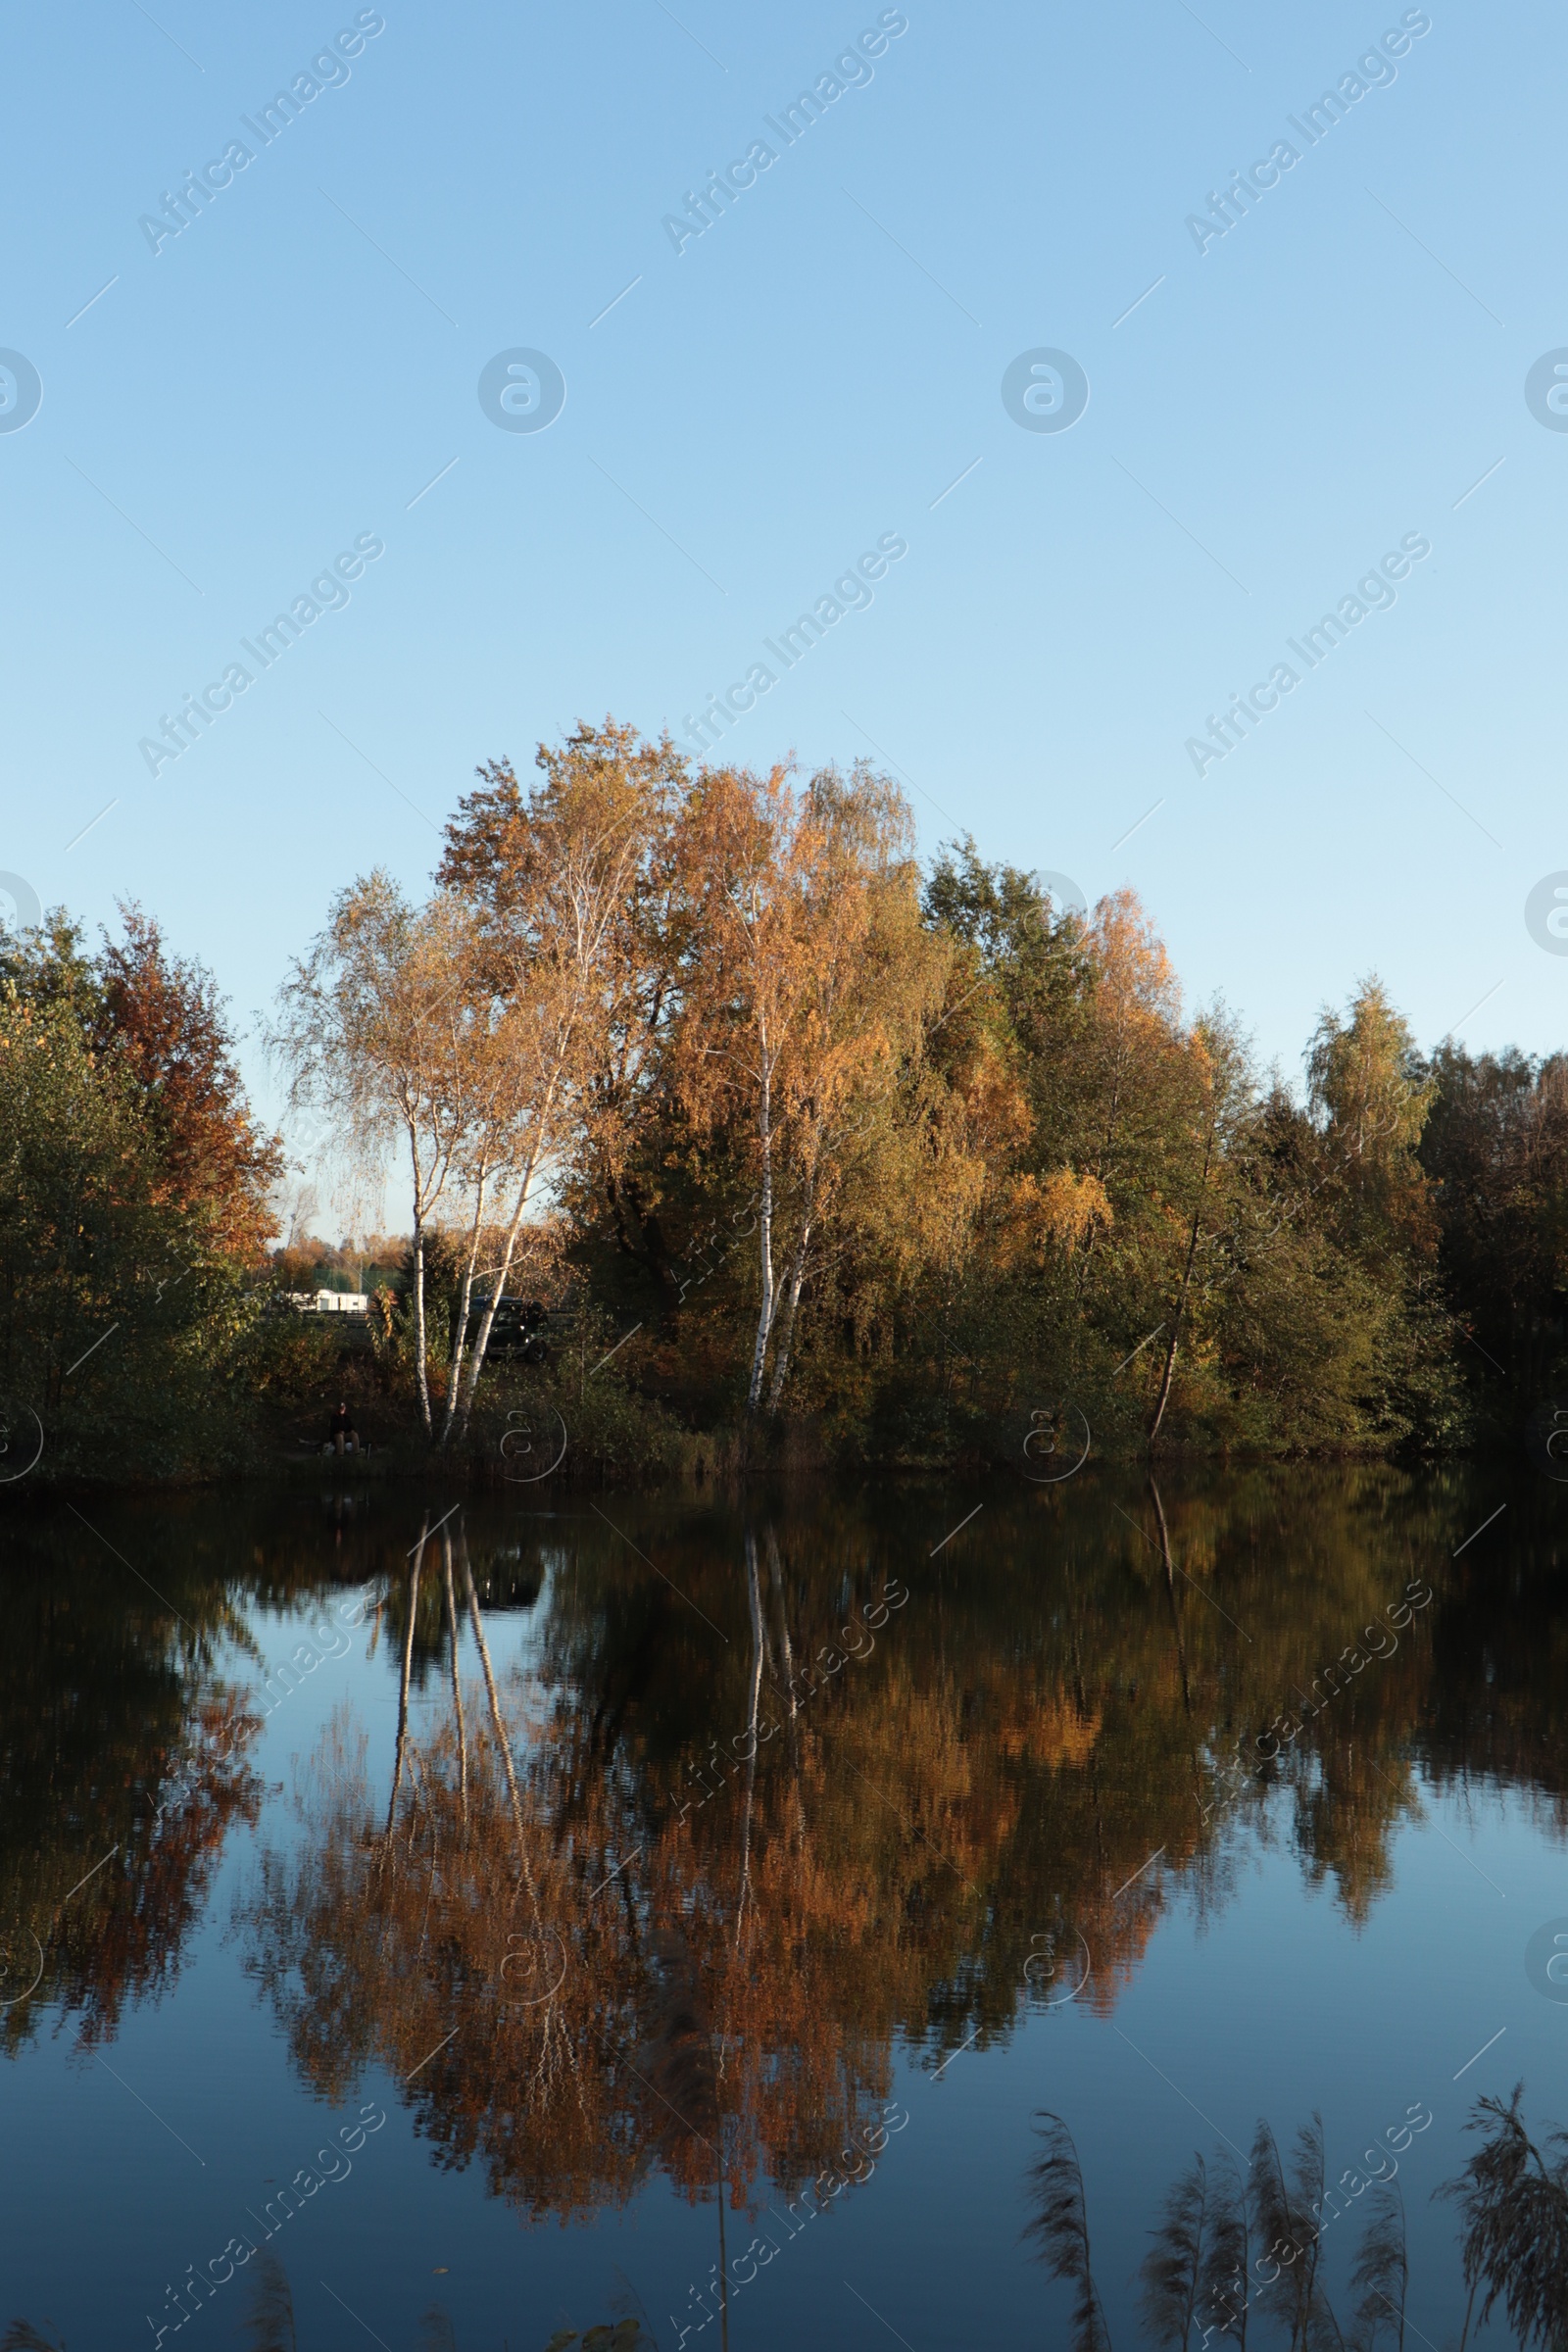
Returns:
(750, 1911)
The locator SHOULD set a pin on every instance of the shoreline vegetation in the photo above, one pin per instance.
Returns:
(730, 1138)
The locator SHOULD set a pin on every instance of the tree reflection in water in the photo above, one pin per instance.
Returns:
(123, 1751)
(675, 1899)
(594, 1963)
(574, 1987)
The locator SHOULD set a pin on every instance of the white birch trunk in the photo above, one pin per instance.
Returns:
(465, 1301)
(481, 1340)
(764, 1227)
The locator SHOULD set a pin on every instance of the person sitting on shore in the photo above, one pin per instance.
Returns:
(341, 1432)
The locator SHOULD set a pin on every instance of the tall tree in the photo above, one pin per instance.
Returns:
(129, 1212)
(1496, 1149)
(1368, 1096)
(1221, 1099)
(558, 881)
(812, 987)
(163, 1015)
(369, 1029)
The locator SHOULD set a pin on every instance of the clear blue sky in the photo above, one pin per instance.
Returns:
(803, 378)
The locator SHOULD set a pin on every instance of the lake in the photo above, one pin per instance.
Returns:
(522, 1917)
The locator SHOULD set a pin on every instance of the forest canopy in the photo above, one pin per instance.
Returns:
(909, 1162)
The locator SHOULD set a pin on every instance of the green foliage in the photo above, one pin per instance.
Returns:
(123, 1315)
(1495, 1149)
(288, 1357)
(590, 1415)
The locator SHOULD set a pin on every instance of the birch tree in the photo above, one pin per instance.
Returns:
(550, 877)
(369, 1034)
(808, 991)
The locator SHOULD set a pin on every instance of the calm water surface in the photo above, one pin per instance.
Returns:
(549, 1918)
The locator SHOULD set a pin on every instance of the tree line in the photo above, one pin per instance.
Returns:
(818, 1139)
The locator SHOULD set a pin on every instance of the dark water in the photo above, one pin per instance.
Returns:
(554, 1968)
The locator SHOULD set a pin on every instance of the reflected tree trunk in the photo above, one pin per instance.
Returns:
(497, 1724)
(404, 1674)
(1170, 1589)
(753, 1597)
(775, 1574)
(457, 1678)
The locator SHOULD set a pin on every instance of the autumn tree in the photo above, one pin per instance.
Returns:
(1368, 1096)
(372, 1029)
(163, 1014)
(1221, 1097)
(559, 880)
(132, 1184)
(613, 1177)
(810, 995)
